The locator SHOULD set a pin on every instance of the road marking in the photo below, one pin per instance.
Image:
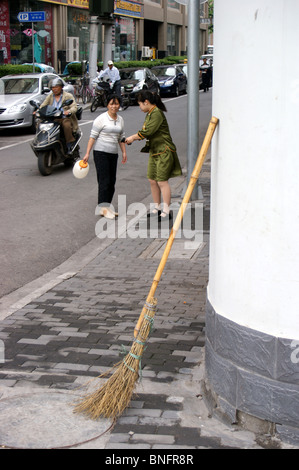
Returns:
(29, 140)
(12, 145)
(174, 98)
(81, 124)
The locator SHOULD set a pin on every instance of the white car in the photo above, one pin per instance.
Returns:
(43, 67)
(15, 93)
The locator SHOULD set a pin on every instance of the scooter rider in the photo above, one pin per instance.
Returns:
(113, 74)
(69, 121)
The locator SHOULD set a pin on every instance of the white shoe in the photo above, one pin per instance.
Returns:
(105, 212)
(113, 212)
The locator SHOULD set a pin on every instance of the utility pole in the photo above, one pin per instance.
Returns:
(101, 12)
(32, 34)
(93, 46)
(193, 88)
(107, 53)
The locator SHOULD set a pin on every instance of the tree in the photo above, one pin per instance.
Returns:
(211, 15)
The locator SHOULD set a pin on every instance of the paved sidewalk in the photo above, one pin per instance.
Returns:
(70, 326)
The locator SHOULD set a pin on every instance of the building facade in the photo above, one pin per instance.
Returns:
(141, 29)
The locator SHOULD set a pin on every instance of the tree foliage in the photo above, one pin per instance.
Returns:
(211, 15)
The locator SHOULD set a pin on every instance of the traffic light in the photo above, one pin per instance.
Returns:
(101, 7)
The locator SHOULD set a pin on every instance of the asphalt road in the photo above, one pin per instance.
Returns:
(44, 220)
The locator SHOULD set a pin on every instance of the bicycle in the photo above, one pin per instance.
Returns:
(85, 93)
(77, 87)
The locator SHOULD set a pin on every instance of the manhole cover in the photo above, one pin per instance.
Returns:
(46, 421)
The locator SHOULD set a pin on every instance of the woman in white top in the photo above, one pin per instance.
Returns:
(106, 135)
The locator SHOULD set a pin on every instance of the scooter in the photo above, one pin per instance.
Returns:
(102, 91)
(49, 144)
(126, 91)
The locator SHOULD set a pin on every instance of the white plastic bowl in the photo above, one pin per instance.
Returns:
(80, 169)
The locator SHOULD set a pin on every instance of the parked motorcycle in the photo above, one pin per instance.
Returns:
(49, 144)
(102, 91)
(126, 91)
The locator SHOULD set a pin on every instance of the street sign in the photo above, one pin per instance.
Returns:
(205, 21)
(31, 16)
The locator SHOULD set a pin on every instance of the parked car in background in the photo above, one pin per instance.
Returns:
(171, 78)
(66, 70)
(43, 67)
(185, 70)
(15, 93)
(135, 79)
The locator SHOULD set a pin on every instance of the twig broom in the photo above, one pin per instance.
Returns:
(115, 395)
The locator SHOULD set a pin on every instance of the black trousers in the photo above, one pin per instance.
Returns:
(117, 91)
(106, 165)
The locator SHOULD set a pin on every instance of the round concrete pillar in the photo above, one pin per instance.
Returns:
(252, 348)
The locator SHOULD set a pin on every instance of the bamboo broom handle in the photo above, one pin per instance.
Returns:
(194, 177)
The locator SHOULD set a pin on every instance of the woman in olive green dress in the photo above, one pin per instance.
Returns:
(163, 159)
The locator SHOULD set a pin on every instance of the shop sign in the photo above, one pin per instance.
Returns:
(132, 9)
(31, 16)
(70, 3)
(5, 32)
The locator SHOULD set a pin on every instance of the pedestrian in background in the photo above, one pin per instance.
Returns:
(205, 70)
(107, 135)
(113, 74)
(163, 159)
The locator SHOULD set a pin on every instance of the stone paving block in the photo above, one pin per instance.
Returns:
(7, 383)
(170, 414)
(117, 438)
(69, 366)
(143, 412)
(42, 340)
(127, 420)
(103, 352)
(77, 334)
(153, 439)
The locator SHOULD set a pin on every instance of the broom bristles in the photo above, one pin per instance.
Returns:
(115, 395)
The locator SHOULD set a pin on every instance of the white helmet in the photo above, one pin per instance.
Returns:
(57, 82)
(80, 169)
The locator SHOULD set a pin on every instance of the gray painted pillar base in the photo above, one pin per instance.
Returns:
(250, 374)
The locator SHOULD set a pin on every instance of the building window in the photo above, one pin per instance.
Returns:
(17, 48)
(78, 27)
(173, 4)
(172, 39)
(124, 39)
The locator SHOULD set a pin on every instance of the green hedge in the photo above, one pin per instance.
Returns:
(76, 69)
(16, 69)
(151, 63)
